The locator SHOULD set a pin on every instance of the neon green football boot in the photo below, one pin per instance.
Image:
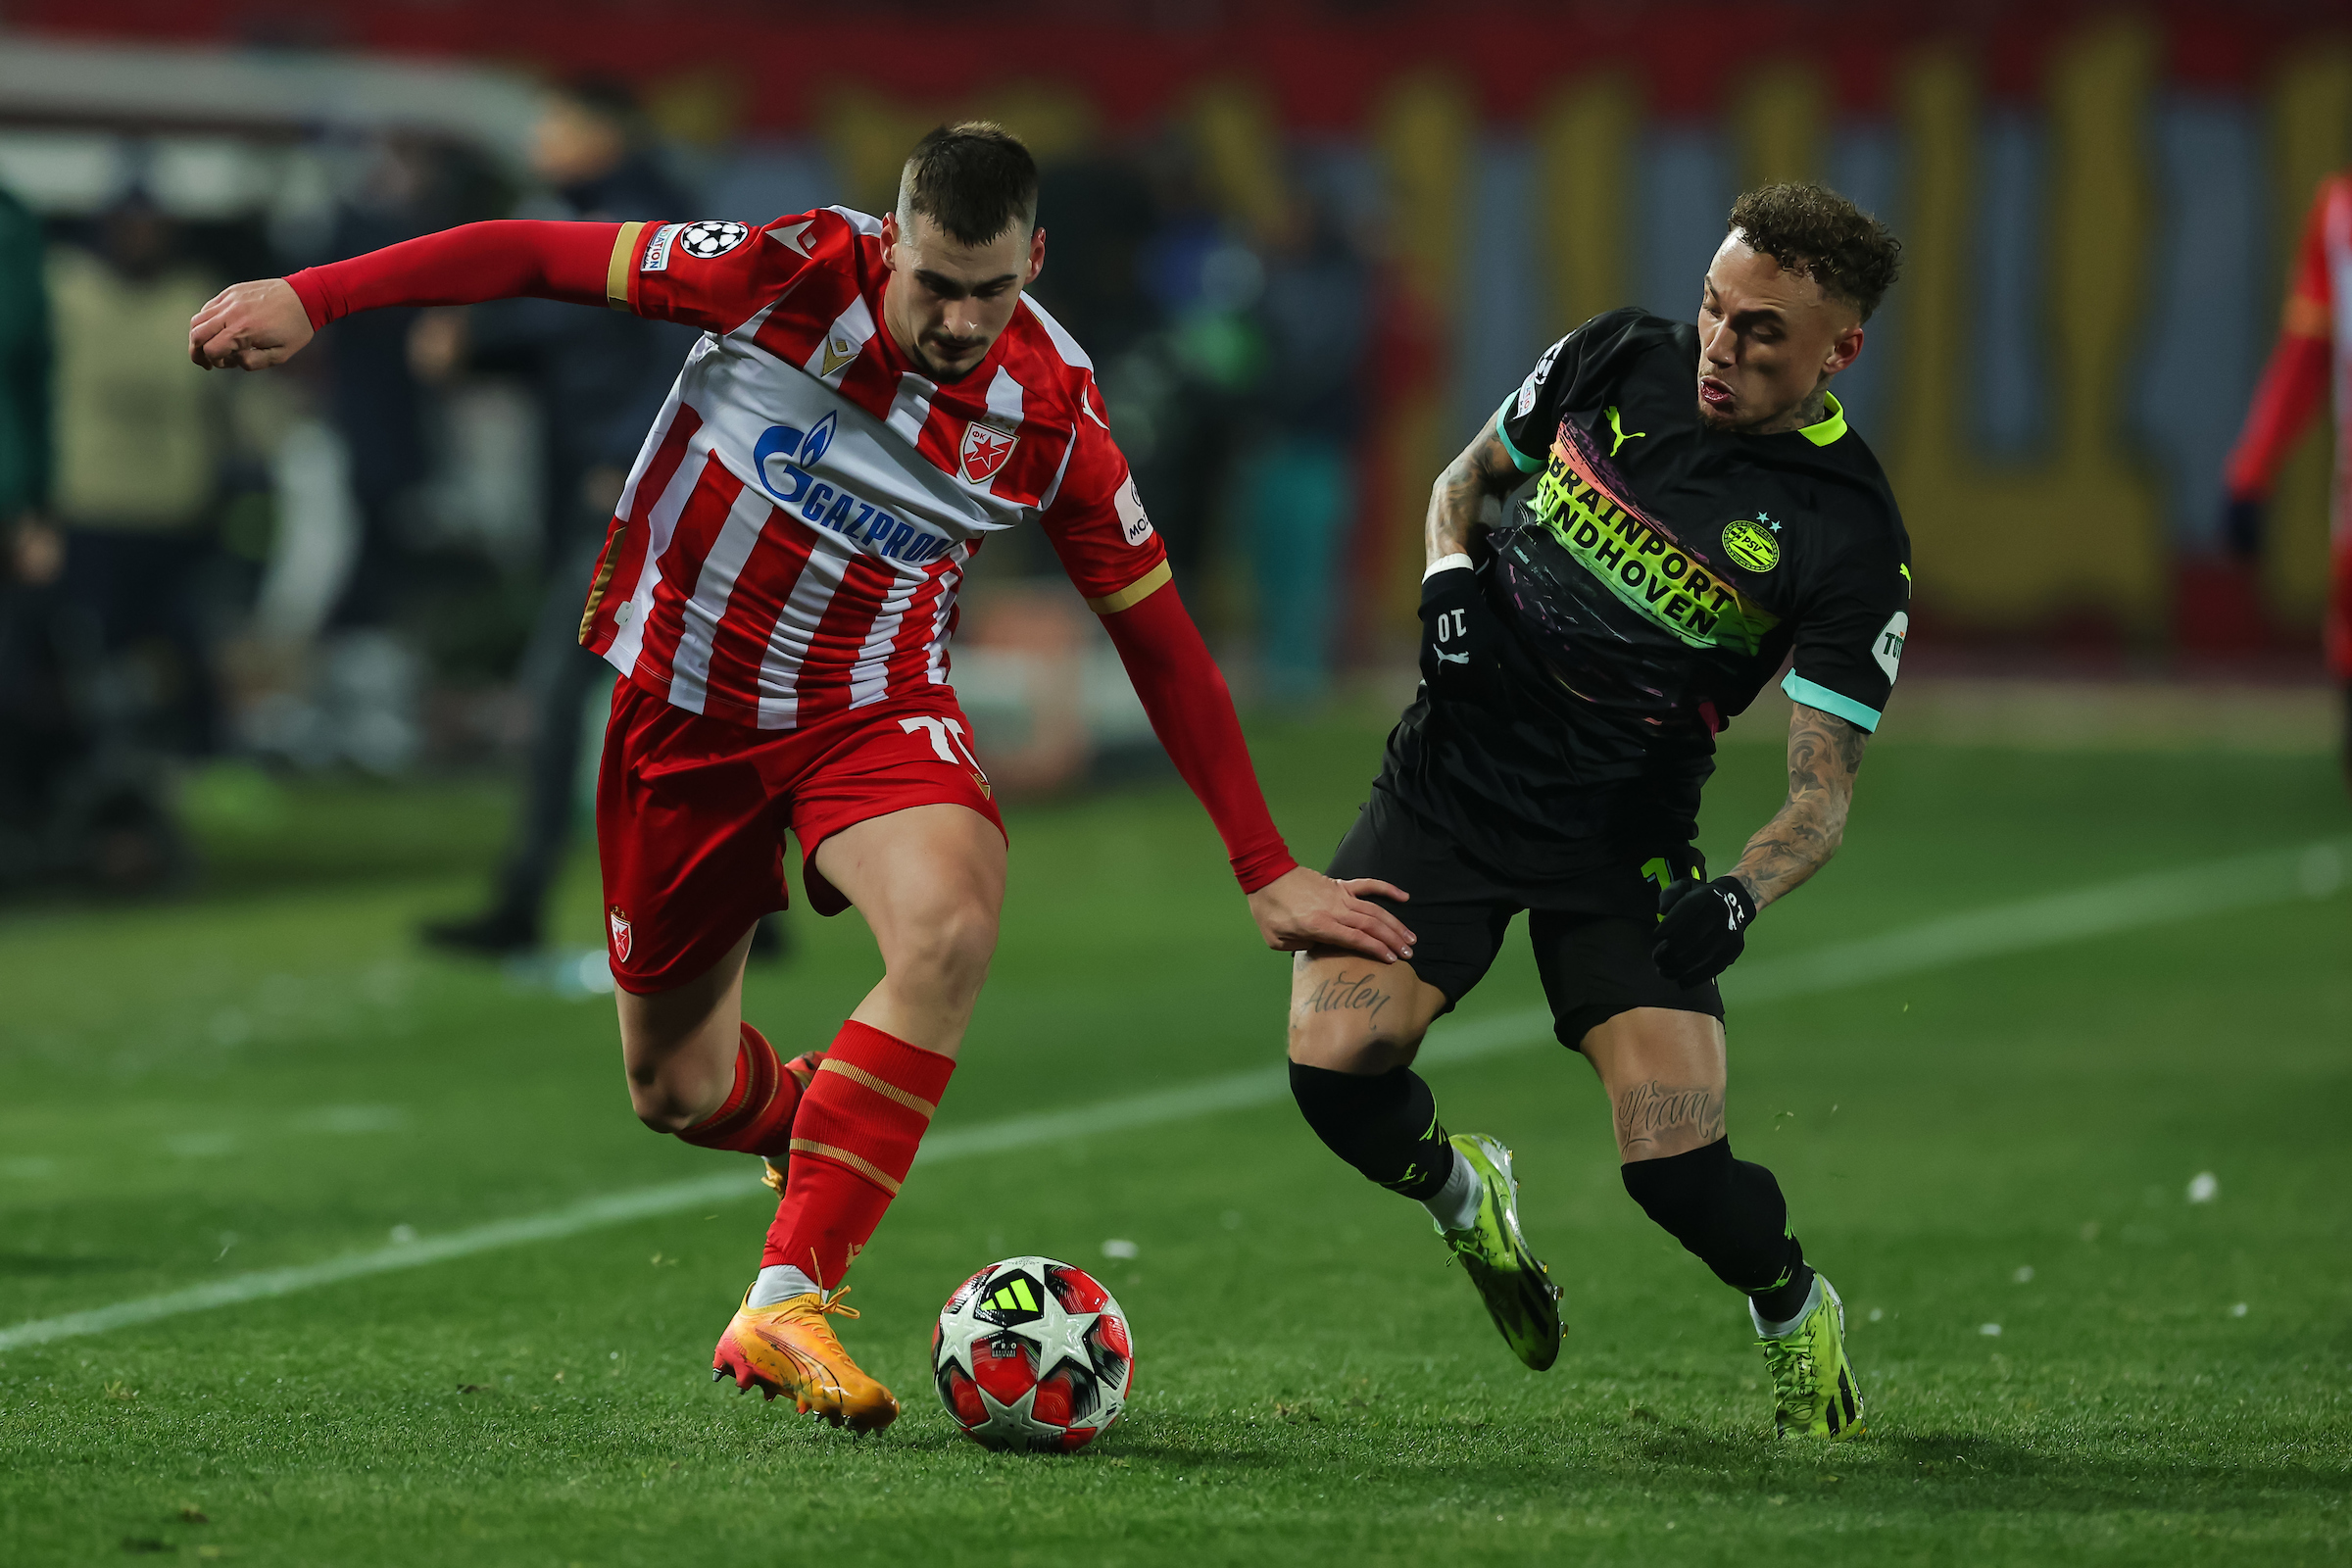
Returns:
(1815, 1393)
(1511, 1280)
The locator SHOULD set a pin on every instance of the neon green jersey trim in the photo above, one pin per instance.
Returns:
(1813, 695)
(1519, 459)
(1824, 431)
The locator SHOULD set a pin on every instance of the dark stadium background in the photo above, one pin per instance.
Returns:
(261, 721)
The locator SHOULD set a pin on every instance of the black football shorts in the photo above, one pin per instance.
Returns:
(1591, 932)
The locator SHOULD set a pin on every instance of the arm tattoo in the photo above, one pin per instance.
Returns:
(1483, 470)
(1650, 1112)
(1825, 752)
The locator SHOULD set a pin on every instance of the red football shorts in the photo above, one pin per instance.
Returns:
(691, 814)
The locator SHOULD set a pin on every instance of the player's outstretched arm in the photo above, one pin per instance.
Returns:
(1191, 712)
(1703, 929)
(255, 326)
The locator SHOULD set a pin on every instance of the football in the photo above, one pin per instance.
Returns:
(1033, 1353)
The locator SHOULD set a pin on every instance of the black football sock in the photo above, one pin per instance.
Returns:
(1730, 1216)
(1383, 1124)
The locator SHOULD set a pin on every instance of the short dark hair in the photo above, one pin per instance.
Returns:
(1811, 230)
(973, 179)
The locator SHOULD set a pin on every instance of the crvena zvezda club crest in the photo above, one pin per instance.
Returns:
(985, 449)
(621, 933)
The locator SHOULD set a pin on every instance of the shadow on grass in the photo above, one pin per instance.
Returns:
(2083, 1472)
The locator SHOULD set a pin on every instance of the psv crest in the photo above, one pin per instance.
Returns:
(619, 923)
(985, 449)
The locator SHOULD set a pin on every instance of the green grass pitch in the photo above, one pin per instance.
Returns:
(274, 1074)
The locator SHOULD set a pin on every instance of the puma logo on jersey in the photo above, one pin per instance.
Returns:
(1619, 431)
(1451, 659)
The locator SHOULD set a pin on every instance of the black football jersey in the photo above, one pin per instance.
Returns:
(1656, 576)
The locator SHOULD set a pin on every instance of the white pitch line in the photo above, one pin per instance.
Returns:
(2311, 871)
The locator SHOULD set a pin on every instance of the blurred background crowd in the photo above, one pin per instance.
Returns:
(1309, 247)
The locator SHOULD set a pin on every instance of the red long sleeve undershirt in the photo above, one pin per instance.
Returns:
(1191, 712)
(2292, 387)
(1181, 688)
(506, 259)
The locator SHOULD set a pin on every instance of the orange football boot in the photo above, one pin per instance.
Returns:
(790, 1349)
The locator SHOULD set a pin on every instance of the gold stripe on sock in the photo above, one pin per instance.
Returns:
(888, 1091)
(862, 1166)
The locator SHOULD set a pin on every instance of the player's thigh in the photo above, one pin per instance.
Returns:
(687, 836)
(688, 839)
(929, 880)
(1657, 1045)
(1352, 1014)
(1349, 1014)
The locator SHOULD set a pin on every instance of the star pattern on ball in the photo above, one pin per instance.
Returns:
(959, 1328)
(1059, 1335)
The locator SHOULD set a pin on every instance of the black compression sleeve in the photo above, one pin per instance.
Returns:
(1385, 1125)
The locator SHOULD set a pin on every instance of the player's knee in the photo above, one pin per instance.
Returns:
(947, 951)
(672, 1093)
(666, 1108)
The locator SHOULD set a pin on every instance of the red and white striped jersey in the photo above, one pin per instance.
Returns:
(794, 532)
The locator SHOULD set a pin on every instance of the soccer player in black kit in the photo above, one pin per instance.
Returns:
(1701, 512)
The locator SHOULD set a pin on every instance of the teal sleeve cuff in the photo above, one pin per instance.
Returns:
(1519, 459)
(1811, 695)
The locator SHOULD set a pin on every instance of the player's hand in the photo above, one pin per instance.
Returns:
(1457, 632)
(1303, 908)
(2241, 527)
(1701, 928)
(250, 326)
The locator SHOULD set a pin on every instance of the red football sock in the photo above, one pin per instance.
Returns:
(858, 1126)
(756, 1115)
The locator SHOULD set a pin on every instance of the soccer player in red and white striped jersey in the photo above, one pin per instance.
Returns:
(869, 402)
(2313, 358)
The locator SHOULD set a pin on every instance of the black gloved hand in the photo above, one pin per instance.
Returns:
(2241, 527)
(1701, 928)
(1457, 632)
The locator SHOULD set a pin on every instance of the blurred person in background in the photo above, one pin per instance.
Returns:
(138, 457)
(25, 349)
(600, 378)
(1298, 482)
(380, 405)
(2314, 353)
(34, 720)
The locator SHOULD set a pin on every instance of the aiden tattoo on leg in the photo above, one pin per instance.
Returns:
(1652, 1112)
(1340, 994)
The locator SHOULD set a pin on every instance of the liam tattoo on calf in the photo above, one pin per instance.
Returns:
(1825, 752)
(1650, 1114)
